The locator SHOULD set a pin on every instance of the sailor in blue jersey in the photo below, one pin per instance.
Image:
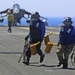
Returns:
(66, 42)
(36, 34)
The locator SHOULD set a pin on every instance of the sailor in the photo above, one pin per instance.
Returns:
(36, 34)
(10, 18)
(66, 42)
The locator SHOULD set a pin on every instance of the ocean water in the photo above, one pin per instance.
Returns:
(52, 21)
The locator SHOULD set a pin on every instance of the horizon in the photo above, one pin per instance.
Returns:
(52, 21)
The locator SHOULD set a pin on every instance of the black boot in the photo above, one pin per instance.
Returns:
(59, 64)
(65, 64)
(42, 58)
(27, 62)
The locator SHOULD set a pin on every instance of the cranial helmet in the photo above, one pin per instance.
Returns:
(67, 19)
(35, 15)
(9, 12)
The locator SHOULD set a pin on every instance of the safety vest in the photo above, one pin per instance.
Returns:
(67, 35)
(36, 31)
(10, 17)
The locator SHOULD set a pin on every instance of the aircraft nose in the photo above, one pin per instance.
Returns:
(15, 10)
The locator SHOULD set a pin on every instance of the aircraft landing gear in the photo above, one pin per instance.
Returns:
(14, 24)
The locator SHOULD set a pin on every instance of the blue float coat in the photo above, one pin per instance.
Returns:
(37, 30)
(67, 35)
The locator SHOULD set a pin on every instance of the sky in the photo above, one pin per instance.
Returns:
(44, 7)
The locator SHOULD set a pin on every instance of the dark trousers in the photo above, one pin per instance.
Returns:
(9, 26)
(38, 48)
(63, 54)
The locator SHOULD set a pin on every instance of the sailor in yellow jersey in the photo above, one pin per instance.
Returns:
(10, 18)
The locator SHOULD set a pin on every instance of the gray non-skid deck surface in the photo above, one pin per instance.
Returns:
(11, 46)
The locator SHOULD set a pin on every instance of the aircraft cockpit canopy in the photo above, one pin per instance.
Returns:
(16, 6)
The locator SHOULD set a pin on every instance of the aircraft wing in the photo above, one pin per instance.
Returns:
(5, 11)
(25, 12)
(28, 13)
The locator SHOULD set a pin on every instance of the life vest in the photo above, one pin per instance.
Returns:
(10, 17)
(67, 35)
(35, 30)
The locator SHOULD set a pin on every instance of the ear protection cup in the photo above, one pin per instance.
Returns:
(35, 15)
(67, 19)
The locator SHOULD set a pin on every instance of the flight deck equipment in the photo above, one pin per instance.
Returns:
(46, 38)
(49, 47)
(73, 57)
(33, 48)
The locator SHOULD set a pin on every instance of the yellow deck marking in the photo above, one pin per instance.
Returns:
(47, 31)
(24, 28)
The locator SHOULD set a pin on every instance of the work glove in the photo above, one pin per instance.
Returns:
(26, 38)
(59, 45)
